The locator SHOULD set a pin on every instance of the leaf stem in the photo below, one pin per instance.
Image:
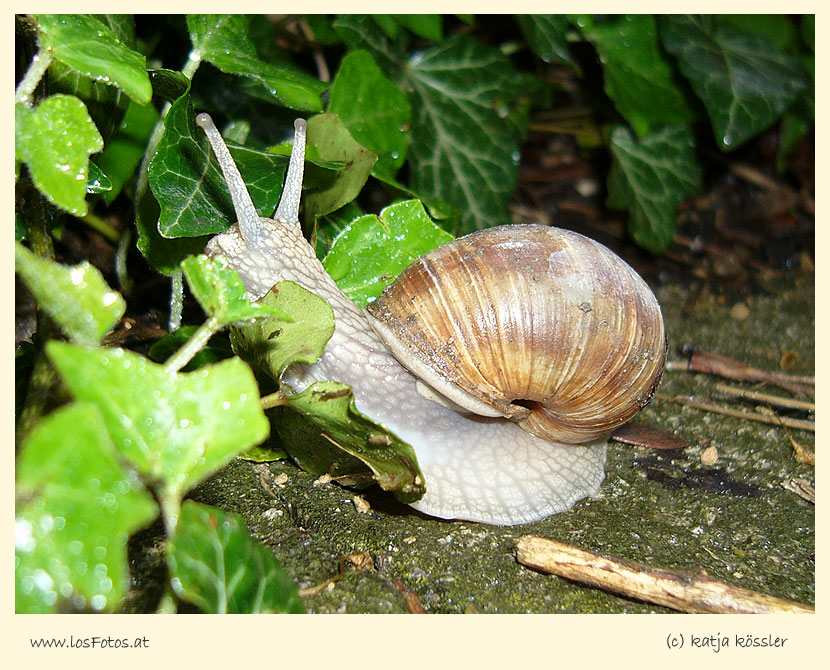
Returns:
(26, 88)
(275, 399)
(199, 339)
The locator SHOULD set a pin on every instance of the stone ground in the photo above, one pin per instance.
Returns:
(731, 518)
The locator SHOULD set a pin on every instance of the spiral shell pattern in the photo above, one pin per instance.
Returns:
(543, 326)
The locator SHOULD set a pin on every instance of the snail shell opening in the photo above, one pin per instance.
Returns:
(539, 325)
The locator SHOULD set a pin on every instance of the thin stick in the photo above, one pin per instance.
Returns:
(776, 400)
(693, 592)
(738, 413)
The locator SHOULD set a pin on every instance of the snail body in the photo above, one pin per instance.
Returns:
(492, 467)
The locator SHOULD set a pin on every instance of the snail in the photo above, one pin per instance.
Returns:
(505, 358)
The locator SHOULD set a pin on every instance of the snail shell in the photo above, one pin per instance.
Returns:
(542, 326)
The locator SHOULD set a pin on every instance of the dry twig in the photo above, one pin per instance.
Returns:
(778, 401)
(690, 401)
(693, 592)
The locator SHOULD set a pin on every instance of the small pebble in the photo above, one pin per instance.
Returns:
(361, 504)
(281, 479)
(709, 456)
(739, 311)
(322, 479)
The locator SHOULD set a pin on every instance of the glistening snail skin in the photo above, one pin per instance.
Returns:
(477, 468)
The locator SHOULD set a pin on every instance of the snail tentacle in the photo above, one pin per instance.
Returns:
(288, 211)
(247, 216)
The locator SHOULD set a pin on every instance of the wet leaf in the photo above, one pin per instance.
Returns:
(547, 35)
(224, 41)
(744, 82)
(98, 182)
(88, 46)
(78, 299)
(71, 531)
(188, 183)
(360, 85)
(651, 177)
(220, 291)
(55, 139)
(637, 76)
(372, 250)
(175, 429)
(215, 565)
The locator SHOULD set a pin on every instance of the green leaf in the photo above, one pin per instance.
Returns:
(425, 25)
(778, 29)
(175, 429)
(98, 182)
(464, 147)
(55, 139)
(373, 109)
(169, 84)
(224, 41)
(215, 565)
(88, 46)
(77, 298)
(637, 76)
(651, 177)
(122, 25)
(325, 433)
(188, 183)
(76, 508)
(744, 82)
(124, 151)
(547, 36)
(327, 191)
(371, 251)
(220, 291)
(298, 331)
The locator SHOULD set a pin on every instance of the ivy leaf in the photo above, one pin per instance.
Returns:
(325, 433)
(71, 531)
(55, 139)
(637, 76)
(744, 82)
(88, 46)
(651, 177)
(186, 179)
(224, 41)
(427, 26)
(327, 191)
(98, 182)
(464, 146)
(547, 36)
(298, 331)
(175, 429)
(372, 250)
(220, 291)
(463, 149)
(361, 87)
(215, 565)
(320, 427)
(77, 298)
